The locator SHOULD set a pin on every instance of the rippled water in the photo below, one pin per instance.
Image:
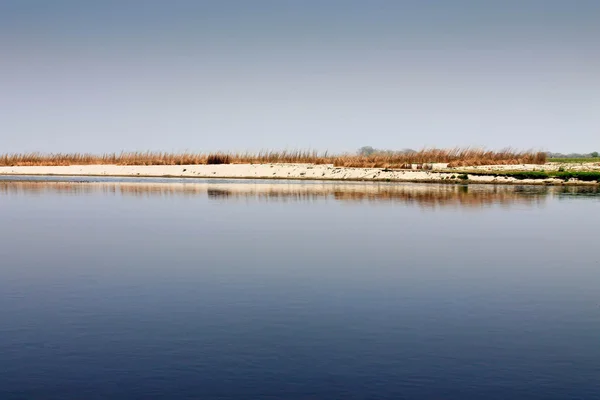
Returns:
(207, 289)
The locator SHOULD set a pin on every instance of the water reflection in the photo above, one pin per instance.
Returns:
(422, 195)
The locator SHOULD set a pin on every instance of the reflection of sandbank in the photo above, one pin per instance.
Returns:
(424, 195)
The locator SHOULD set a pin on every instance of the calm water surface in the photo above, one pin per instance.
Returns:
(152, 289)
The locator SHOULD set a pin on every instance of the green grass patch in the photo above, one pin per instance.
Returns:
(528, 175)
(586, 176)
(575, 160)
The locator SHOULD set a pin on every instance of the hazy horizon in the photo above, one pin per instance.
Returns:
(332, 75)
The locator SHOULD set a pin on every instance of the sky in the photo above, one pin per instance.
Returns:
(238, 75)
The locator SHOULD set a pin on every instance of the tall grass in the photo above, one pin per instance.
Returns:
(456, 157)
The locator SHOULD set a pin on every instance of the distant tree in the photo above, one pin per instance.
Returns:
(366, 151)
(572, 155)
(407, 151)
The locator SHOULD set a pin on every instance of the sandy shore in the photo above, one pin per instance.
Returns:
(440, 173)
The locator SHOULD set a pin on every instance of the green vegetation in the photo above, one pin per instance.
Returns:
(575, 160)
(586, 176)
(526, 175)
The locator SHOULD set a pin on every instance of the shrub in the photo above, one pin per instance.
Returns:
(218, 159)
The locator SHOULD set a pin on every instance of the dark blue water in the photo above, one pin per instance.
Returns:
(298, 291)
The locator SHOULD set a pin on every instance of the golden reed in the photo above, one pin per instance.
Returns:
(456, 157)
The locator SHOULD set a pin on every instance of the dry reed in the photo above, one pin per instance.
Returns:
(456, 157)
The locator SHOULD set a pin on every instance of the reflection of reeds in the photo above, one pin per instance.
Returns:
(455, 157)
(447, 196)
(428, 195)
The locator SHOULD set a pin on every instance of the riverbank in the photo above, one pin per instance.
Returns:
(548, 174)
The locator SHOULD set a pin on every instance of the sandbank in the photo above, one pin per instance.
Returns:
(438, 173)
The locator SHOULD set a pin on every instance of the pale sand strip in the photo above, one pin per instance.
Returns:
(272, 171)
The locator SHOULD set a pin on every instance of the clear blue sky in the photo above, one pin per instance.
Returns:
(198, 75)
